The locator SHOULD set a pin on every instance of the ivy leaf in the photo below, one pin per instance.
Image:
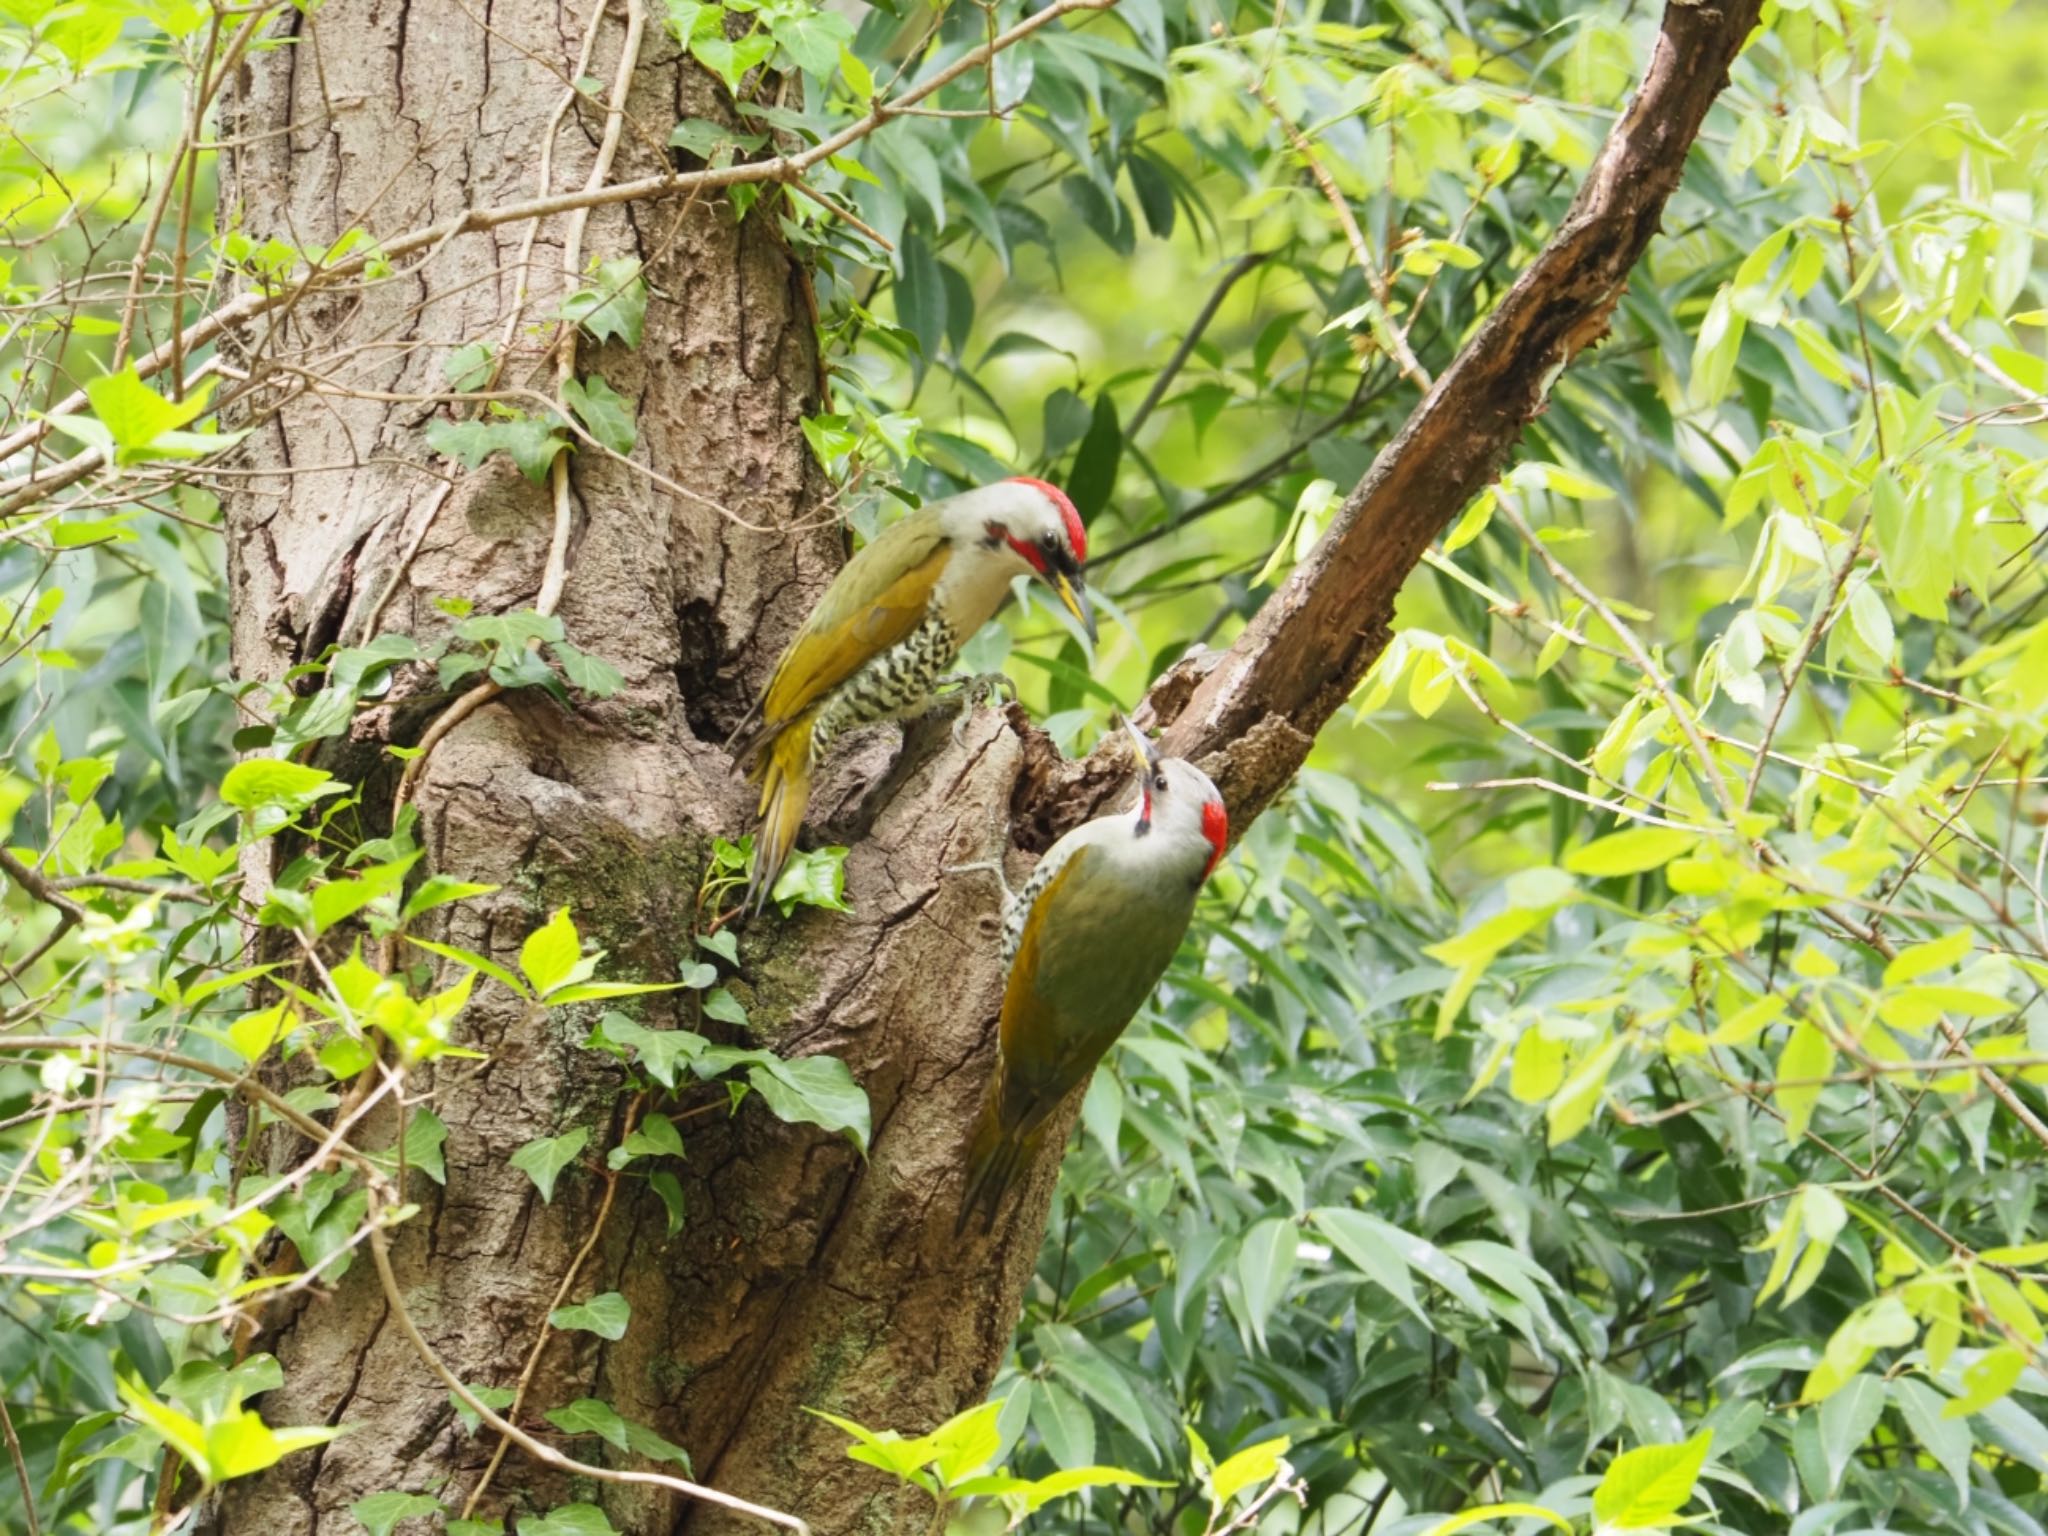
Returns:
(670, 1189)
(659, 1051)
(713, 143)
(425, 1134)
(607, 413)
(721, 1005)
(587, 673)
(814, 1090)
(381, 1512)
(590, 1416)
(544, 1158)
(612, 304)
(528, 441)
(655, 1136)
(490, 1397)
(569, 1520)
(813, 39)
(468, 368)
(812, 879)
(605, 1314)
(731, 60)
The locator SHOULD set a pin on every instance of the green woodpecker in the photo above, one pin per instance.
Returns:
(889, 627)
(1085, 942)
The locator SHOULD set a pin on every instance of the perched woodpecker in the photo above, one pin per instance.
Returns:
(889, 627)
(1085, 941)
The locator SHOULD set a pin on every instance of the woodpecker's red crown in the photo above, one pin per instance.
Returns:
(1077, 536)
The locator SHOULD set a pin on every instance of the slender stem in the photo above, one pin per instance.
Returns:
(28, 1496)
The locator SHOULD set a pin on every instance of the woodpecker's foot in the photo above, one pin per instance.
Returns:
(990, 866)
(964, 693)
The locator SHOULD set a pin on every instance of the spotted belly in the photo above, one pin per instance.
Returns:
(896, 683)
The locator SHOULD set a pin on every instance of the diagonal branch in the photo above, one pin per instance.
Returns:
(1258, 708)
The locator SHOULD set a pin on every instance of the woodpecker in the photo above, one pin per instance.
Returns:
(889, 627)
(1085, 942)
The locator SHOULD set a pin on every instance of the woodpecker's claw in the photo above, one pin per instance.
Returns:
(979, 688)
(990, 866)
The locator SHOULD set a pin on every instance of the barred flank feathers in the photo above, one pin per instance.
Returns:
(784, 771)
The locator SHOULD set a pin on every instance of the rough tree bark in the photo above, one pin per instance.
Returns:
(803, 1276)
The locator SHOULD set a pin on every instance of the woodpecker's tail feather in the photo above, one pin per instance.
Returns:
(784, 772)
(995, 1155)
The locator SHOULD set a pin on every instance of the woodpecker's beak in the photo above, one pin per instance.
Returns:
(1148, 750)
(1075, 598)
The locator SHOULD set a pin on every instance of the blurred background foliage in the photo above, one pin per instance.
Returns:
(1629, 1031)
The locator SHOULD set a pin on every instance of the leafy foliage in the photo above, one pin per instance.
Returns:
(1606, 1094)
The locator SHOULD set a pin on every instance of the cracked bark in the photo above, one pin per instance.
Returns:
(803, 1276)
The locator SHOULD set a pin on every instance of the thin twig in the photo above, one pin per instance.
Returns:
(28, 1495)
(540, 1343)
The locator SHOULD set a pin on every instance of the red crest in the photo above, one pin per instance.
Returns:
(1077, 536)
(1216, 829)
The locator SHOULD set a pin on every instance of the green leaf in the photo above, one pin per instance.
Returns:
(544, 1158)
(814, 1090)
(529, 442)
(1265, 1265)
(138, 418)
(966, 1443)
(473, 960)
(721, 1005)
(1065, 1423)
(660, 1051)
(380, 1513)
(605, 1315)
(1846, 1420)
(812, 879)
(468, 368)
(1093, 478)
(1986, 1380)
(655, 1136)
(587, 673)
(569, 1520)
(490, 1397)
(1807, 1058)
(1630, 851)
(1917, 960)
(612, 305)
(425, 1135)
(263, 781)
(1647, 1486)
(1253, 1467)
(607, 414)
(589, 1416)
(813, 39)
(1363, 1240)
(438, 891)
(1946, 1439)
(549, 956)
(670, 1189)
(1484, 1513)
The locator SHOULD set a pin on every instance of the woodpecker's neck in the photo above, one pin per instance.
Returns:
(974, 584)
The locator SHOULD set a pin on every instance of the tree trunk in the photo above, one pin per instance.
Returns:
(804, 1276)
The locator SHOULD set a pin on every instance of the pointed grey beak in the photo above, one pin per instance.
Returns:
(1074, 595)
(1148, 750)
